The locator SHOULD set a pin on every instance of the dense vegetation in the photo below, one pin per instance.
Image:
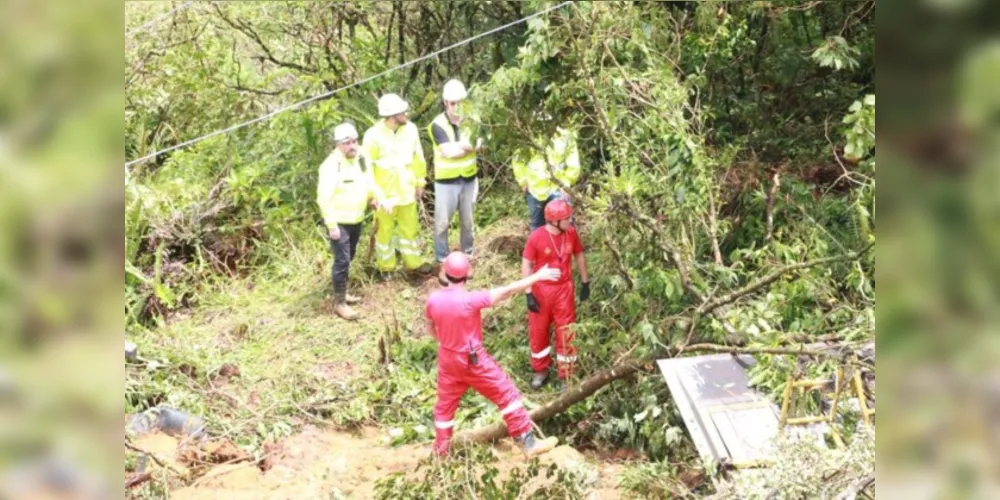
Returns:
(727, 197)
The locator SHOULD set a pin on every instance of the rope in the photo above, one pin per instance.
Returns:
(328, 94)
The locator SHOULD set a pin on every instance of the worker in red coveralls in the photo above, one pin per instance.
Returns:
(453, 318)
(555, 245)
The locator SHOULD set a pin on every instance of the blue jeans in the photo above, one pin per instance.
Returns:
(536, 208)
(450, 198)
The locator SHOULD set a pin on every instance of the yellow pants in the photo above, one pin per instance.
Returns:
(404, 220)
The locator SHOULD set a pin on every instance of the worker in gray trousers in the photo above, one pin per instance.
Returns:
(456, 185)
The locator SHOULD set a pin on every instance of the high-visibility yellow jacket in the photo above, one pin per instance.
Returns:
(396, 160)
(561, 153)
(343, 189)
(452, 168)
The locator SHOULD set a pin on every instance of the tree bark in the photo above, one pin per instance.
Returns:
(572, 396)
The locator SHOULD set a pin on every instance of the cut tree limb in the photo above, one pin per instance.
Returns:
(572, 396)
(596, 382)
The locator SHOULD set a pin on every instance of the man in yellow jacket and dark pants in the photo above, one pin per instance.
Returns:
(342, 194)
(399, 175)
(531, 170)
(456, 185)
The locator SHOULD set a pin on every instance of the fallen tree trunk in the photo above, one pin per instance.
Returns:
(593, 384)
(572, 396)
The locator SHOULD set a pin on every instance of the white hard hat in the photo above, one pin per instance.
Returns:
(343, 132)
(391, 105)
(454, 91)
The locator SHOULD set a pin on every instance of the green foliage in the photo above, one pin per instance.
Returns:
(860, 135)
(837, 54)
(655, 480)
(642, 418)
(474, 471)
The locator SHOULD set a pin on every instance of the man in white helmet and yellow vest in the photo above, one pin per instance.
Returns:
(456, 185)
(540, 185)
(399, 175)
(342, 193)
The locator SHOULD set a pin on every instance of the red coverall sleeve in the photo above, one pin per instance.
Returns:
(577, 245)
(480, 300)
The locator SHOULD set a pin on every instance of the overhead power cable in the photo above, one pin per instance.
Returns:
(327, 94)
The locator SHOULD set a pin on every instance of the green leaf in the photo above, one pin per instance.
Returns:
(669, 289)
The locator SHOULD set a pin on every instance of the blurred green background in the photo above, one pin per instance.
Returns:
(61, 216)
(939, 252)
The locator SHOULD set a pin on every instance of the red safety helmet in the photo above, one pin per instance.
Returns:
(457, 265)
(557, 210)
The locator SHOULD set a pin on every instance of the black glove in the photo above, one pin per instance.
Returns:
(532, 303)
(584, 291)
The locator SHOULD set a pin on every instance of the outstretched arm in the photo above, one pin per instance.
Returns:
(503, 293)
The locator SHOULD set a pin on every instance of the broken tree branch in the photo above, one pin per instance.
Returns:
(728, 298)
(588, 387)
(791, 351)
(572, 396)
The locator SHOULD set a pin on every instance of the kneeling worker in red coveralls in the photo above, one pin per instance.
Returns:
(453, 318)
(556, 244)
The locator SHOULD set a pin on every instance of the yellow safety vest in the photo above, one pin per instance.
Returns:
(343, 190)
(397, 162)
(564, 157)
(451, 168)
